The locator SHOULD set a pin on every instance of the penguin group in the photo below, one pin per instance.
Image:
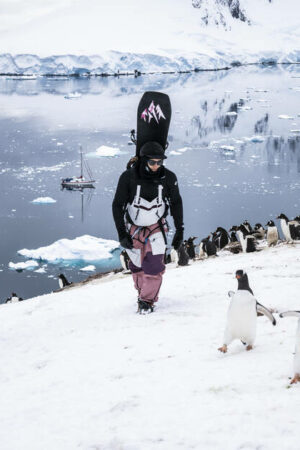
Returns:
(242, 320)
(239, 238)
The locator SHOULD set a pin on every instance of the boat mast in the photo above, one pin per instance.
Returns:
(81, 168)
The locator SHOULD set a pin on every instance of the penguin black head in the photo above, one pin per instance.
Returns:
(257, 226)
(270, 224)
(282, 216)
(234, 228)
(243, 283)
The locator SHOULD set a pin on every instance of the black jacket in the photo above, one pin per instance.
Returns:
(126, 190)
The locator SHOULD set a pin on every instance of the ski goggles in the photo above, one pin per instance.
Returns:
(152, 162)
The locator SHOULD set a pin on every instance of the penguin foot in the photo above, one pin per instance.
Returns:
(249, 347)
(296, 379)
(223, 349)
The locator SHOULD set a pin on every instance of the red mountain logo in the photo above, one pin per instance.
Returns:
(152, 112)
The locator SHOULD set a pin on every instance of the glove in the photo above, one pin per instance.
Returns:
(127, 242)
(178, 238)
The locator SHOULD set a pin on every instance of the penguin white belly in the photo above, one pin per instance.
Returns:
(241, 318)
(272, 236)
(297, 351)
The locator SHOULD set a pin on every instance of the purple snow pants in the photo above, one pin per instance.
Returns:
(148, 278)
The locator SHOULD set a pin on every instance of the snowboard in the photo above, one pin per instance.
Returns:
(153, 119)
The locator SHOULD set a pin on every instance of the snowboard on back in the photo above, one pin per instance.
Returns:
(153, 119)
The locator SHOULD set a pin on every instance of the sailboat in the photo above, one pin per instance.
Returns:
(80, 182)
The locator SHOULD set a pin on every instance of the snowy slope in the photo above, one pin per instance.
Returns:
(142, 35)
(79, 369)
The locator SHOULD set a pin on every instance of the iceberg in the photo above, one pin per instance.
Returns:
(83, 248)
(28, 265)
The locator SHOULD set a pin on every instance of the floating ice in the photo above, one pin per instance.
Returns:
(40, 270)
(104, 150)
(229, 148)
(173, 152)
(43, 200)
(231, 113)
(285, 116)
(90, 268)
(29, 265)
(72, 95)
(83, 248)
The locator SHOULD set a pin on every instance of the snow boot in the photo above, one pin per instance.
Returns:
(144, 307)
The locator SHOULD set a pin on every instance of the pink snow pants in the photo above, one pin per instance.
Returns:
(148, 278)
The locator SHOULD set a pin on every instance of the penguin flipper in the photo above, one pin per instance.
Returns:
(231, 293)
(290, 313)
(266, 312)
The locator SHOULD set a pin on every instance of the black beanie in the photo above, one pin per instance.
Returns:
(152, 150)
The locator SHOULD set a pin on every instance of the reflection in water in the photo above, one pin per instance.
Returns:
(261, 125)
(284, 152)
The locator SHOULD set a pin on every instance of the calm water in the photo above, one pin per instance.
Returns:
(223, 175)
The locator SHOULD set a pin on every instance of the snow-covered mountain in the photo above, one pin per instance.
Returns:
(148, 36)
(218, 12)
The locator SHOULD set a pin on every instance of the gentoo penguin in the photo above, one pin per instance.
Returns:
(290, 228)
(207, 248)
(221, 238)
(62, 281)
(183, 257)
(242, 314)
(124, 259)
(296, 377)
(190, 247)
(272, 233)
(247, 226)
(13, 298)
(174, 256)
(259, 231)
(247, 240)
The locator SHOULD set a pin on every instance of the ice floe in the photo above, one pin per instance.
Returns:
(90, 268)
(104, 150)
(43, 200)
(27, 265)
(285, 116)
(83, 248)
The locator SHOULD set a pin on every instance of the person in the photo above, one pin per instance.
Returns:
(144, 195)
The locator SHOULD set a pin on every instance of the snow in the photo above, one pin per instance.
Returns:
(104, 150)
(82, 370)
(82, 248)
(43, 200)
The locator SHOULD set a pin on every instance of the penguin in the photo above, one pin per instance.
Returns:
(272, 233)
(296, 377)
(259, 231)
(124, 259)
(247, 240)
(207, 248)
(174, 256)
(183, 257)
(13, 298)
(242, 314)
(190, 247)
(232, 232)
(290, 228)
(222, 238)
(62, 281)
(247, 226)
(243, 285)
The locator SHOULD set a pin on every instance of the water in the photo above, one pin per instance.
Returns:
(224, 176)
